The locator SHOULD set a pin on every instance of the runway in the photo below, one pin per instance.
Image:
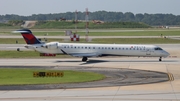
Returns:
(164, 91)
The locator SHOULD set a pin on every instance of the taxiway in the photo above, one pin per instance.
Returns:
(164, 91)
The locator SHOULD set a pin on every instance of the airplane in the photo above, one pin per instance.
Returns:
(87, 50)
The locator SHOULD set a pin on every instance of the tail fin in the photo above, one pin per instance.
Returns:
(28, 36)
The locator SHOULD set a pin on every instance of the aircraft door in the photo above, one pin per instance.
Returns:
(148, 52)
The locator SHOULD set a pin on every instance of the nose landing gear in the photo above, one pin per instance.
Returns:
(160, 59)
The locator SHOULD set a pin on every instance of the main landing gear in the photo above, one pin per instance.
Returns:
(160, 59)
(84, 59)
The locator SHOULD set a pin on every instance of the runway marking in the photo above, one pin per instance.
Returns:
(172, 56)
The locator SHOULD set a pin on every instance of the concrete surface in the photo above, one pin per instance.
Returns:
(165, 91)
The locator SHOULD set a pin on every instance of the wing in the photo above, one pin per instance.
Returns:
(94, 54)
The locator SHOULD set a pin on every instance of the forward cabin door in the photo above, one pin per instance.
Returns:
(148, 52)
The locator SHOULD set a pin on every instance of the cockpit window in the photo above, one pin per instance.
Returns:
(157, 48)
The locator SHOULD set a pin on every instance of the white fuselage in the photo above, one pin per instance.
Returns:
(95, 50)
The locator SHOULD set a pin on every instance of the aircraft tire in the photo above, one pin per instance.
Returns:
(160, 59)
(84, 59)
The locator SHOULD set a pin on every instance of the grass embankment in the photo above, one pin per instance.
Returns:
(10, 76)
(81, 25)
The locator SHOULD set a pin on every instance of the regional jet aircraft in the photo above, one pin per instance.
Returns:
(86, 50)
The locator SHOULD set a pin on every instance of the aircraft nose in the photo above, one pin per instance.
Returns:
(166, 54)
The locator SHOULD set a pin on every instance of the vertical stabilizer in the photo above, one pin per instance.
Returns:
(28, 36)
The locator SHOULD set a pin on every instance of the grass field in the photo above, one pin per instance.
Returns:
(102, 32)
(136, 41)
(101, 40)
(121, 33)
(10, 76)
(27, 54)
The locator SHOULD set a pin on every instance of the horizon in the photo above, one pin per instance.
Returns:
(85, 11)
(30, 7)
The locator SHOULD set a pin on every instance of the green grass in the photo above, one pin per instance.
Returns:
(137, 41)
(21, 40)
(126, 33)
(27, 54)
(11, 76)
(105, 41)
(102, 32)
(71, 25)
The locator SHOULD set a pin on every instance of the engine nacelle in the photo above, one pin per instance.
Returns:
(51, 45)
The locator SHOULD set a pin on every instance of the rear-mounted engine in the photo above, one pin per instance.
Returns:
(51, 45)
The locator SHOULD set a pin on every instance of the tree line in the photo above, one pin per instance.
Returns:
(150, 19)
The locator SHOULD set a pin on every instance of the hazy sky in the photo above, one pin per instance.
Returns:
(29, 7)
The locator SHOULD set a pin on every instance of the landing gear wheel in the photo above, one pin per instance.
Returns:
(160, 59)
(84, 59)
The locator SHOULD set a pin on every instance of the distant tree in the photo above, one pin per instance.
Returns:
(151, 19)
(139, 17)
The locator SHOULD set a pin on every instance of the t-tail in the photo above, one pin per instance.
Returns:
(28, 36)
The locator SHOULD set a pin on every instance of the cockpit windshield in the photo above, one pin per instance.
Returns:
(157, 48)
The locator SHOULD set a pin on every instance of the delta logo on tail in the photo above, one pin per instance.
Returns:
(28, 36)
